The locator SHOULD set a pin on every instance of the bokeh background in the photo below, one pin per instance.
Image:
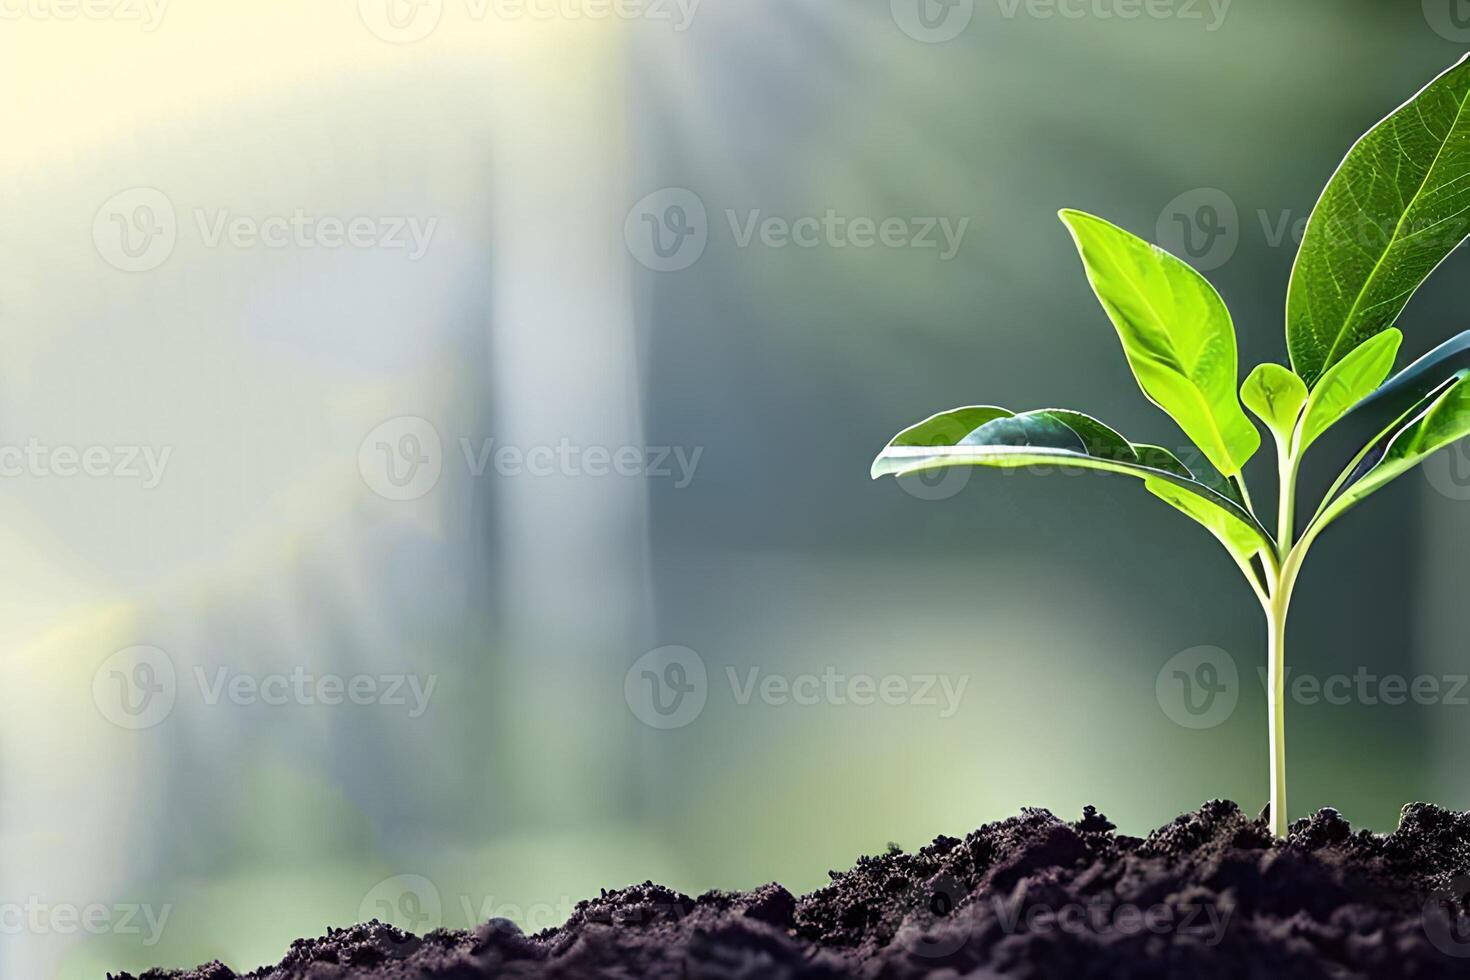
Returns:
(309, 397)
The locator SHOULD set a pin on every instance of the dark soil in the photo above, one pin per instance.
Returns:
(1210, 895)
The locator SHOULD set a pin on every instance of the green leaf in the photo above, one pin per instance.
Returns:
(1445, 421)
(1397, 206)
(1238, 538)
(1159, 458)
(948, 428)
(1411, 386)
(1057, 437)
(1396, 403)
(1348, 382)
(1176, 333)
(1276, 395)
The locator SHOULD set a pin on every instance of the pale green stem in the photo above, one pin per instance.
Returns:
(1286, 511)
(1276, 611)
(1283, 581)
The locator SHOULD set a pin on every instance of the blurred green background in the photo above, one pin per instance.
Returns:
(546, 151)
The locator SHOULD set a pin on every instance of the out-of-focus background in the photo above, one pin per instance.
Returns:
(435, 437)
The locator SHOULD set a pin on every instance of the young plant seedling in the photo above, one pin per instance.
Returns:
(1397, 206)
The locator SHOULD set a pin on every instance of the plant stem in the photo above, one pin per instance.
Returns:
(1276, 610)
(1286, 509)
(1282, 587)
(1283, 582)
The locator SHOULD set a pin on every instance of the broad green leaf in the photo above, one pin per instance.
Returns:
(1376, 419)
(1176, 333)
(1060, 438)
(948, 428)
(1201, 471)
(1397, 206)
(1348, 382)
(1098, 440)
(1026, 430)
(1159, 458)
(1237, 537)
(1276, 395)
(1446, 421)
(1411, 386)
